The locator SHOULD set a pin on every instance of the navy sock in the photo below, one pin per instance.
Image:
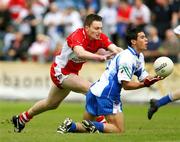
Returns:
(73, 127)
(99, 126)
(163, 101)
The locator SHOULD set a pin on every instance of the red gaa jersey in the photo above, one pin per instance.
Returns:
(67, 62)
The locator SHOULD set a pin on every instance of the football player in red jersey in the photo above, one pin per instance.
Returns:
(79, 47)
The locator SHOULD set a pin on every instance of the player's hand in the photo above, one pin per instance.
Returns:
(150, 81)
(106, 57)
(110, 55)
(102, 58)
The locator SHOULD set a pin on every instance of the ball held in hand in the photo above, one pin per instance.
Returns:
(163, 66)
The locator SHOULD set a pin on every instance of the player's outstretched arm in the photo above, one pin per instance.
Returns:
(113, 48)
(131, 85)
(81, 53)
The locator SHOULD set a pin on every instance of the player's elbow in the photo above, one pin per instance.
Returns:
(126, 87)
(80, 55)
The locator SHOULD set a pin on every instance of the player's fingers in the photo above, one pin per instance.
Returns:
(110, 55)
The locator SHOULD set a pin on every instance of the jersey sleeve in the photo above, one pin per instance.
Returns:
(105, 41)
(75, 39)
(125, 69)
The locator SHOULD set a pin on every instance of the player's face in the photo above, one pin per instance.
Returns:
(94, 30)
(141, 42)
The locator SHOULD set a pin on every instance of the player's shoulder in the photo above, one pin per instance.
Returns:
(126, 54)
(124, 57)
(79, 31)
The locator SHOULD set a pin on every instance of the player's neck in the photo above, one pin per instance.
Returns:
(137, 50)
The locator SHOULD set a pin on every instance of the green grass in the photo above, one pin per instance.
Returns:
(164, 127)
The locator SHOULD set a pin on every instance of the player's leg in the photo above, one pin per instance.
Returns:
(115, 123)
(69, 125)
(78, 127)
(156, 104)
(76, 83)
(56, 95)
(86, 126)
(176, 95)
(89, 123)
(92, 108)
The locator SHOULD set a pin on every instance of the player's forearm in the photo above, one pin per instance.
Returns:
(90, 56)
(113, 48)
(133, 85)
(83, 54)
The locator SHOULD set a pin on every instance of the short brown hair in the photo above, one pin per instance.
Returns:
(90, 18)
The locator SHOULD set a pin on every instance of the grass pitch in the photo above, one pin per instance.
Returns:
(164, 127)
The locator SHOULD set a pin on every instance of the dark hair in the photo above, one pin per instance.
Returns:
(132, 33)
(90, 18)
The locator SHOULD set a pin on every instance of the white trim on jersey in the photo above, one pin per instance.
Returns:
(62, 59)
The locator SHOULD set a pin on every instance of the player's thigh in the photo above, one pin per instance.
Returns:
(88, 116)
(76, 83)
(56, 95)
(117, 120)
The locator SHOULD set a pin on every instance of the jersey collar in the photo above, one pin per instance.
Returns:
(133, 51)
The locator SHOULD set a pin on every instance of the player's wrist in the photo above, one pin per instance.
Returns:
(101, 58)
(147, 83)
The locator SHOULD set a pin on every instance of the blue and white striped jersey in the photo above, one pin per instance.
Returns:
(121, 68)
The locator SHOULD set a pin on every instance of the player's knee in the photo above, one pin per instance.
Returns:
(84, 88)
(120, 130)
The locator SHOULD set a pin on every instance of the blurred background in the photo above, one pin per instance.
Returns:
(32, 32)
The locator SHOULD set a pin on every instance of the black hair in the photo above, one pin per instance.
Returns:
(132, 33)
(90, 18)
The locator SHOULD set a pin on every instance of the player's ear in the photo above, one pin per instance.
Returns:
(133, 41)
(86, 27)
